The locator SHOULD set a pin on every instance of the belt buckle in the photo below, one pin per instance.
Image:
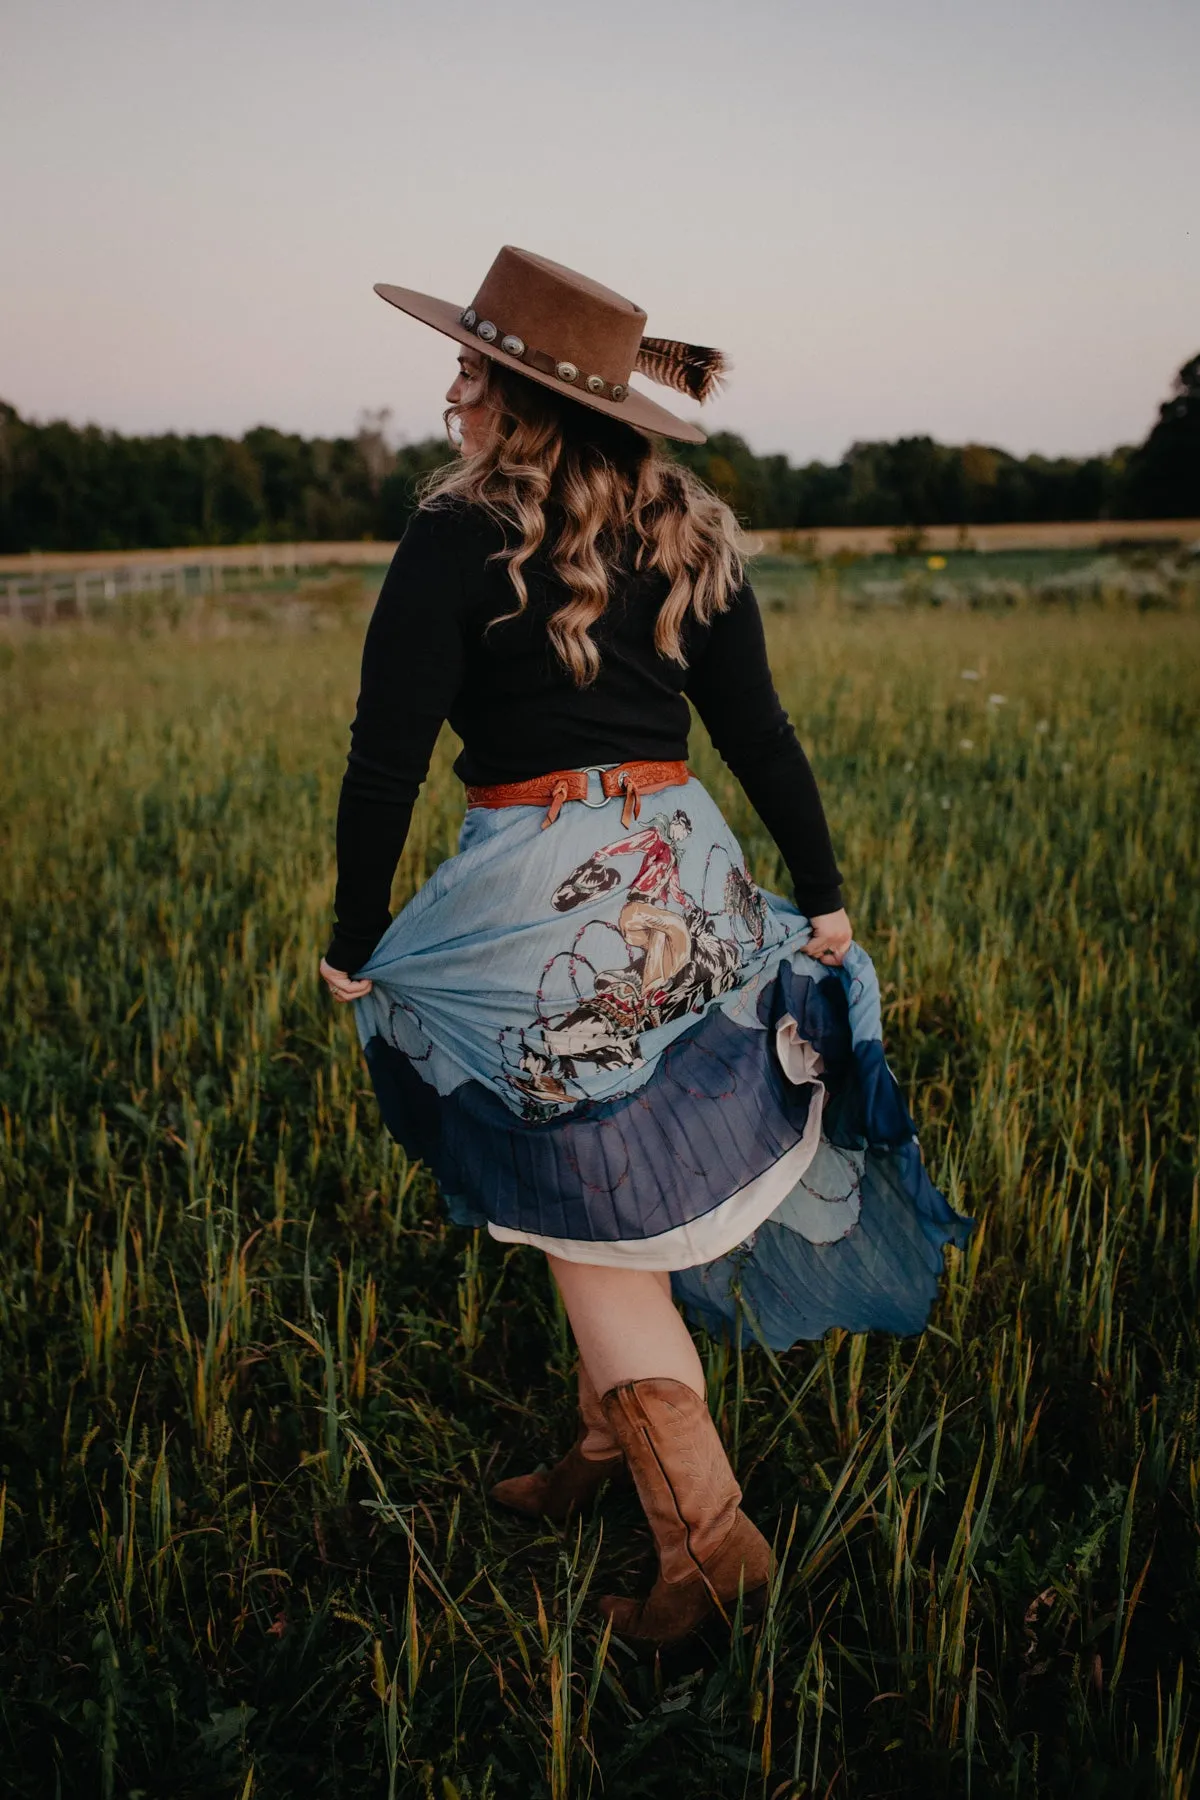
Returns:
(597, 769)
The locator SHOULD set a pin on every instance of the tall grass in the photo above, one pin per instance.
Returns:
(255, 1386)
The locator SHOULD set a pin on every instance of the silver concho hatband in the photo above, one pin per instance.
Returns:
(516, 347)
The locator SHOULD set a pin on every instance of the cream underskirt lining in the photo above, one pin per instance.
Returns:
(729, 1224)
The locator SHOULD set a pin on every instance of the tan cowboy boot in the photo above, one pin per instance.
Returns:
(706, 1545)
(594, 1457)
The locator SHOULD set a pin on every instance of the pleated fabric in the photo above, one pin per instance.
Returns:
(608, 1043)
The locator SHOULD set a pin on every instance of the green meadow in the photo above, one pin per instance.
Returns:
(255, 1386)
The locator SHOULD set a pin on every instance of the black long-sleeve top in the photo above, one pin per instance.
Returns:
(519, 713)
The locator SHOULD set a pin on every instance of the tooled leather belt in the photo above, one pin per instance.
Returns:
(633, 779)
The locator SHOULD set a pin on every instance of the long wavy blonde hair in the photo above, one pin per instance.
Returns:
(568, 478)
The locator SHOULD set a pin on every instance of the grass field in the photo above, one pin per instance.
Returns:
(254, 1386)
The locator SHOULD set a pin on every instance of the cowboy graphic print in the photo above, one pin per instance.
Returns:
(673, 959)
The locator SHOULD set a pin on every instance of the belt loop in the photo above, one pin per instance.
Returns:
(556, 803)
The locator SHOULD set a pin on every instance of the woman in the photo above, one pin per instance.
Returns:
(604, 1039)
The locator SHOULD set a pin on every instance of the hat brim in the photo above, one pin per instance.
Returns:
(636, 409)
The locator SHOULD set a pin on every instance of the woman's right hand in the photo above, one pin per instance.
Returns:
(341, 985)
(831, 938)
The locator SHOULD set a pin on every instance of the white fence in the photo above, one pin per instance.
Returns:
(40, 588)
(43, 587)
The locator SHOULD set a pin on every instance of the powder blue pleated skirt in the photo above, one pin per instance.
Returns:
(608, 1043)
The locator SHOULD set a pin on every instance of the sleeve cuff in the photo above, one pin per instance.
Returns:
(814, 902)
(349, 953)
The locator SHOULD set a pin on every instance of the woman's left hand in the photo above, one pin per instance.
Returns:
(343, 986)
(831, 938)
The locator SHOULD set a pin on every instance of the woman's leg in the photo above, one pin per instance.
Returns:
(626, 1325)
(640, 1355)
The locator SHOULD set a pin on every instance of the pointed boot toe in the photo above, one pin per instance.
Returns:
(576, 1479)
(525, 1494)
(556, 1493)
(622, 1612)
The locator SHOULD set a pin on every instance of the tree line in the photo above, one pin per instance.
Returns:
(67, 487)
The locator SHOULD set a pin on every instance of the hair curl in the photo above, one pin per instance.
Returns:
(569, 478)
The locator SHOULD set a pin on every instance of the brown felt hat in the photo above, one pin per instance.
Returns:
(573, 335)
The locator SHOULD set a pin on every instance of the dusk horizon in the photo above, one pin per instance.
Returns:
(406, 439)
(954, 223)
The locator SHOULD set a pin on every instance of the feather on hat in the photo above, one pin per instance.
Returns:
(688, 368)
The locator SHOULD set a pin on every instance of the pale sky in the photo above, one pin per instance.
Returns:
(975, 219)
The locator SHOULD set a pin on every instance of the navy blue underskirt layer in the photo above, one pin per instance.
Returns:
(717, 1111)
(883, 1276)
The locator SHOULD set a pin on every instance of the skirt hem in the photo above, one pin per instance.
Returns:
(701, 1240)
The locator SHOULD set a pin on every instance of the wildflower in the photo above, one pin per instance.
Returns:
(909, 766)
(997, 699)
(1042, 727)
(944, 803)
(970, 674)
(966, 743)
(935, 562)
(1067, 768)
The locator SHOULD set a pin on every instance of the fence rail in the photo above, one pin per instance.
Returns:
(75, 584)
(78, 584)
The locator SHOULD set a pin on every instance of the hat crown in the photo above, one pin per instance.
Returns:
(561, 313)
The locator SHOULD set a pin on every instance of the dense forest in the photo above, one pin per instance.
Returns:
(65, 487)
